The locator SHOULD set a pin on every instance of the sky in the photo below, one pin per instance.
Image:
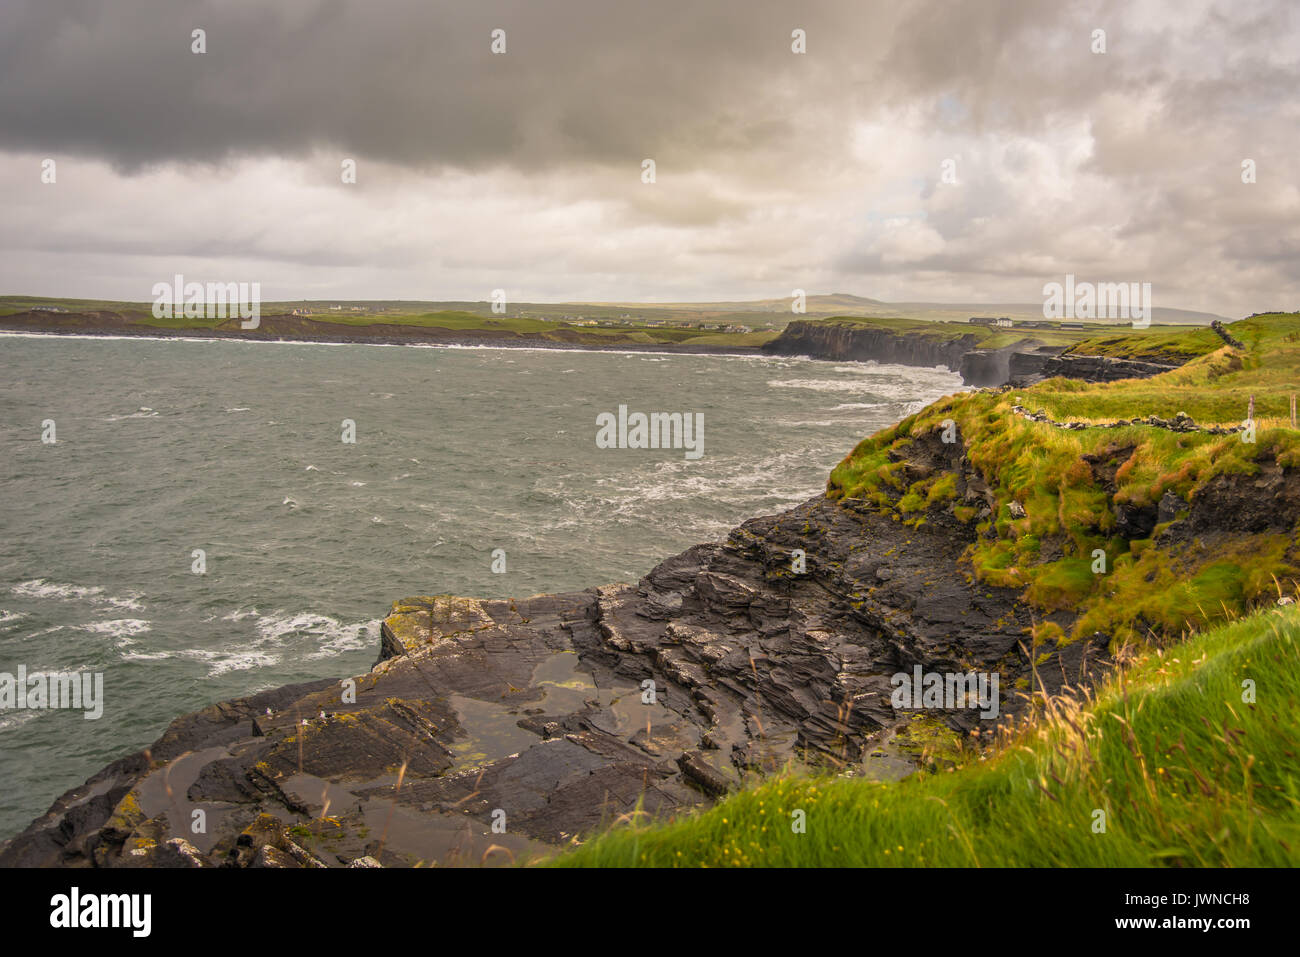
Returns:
(917, 150)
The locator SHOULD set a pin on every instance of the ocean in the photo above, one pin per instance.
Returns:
(174, 457)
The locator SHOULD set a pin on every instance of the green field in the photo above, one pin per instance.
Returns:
(1157, 343)
(462, 321)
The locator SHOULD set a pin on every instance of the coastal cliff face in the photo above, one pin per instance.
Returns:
(1021, 363)
(1102, 368)
(536, 713)
(844, 342)
(993, 367)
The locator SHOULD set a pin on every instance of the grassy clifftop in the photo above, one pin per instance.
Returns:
(1153, 345)
(982, 337)
(1144, 530)
(1160, 343)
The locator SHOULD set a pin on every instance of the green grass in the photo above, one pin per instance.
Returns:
(1148, 588)
(459, 321)
(1158, 344)
(452, 320)
(556, 331)
(1133, 344)
(751, 339)
(933, 331)
(1186, 772)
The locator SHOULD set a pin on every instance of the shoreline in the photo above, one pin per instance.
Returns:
(717, 352)
(1022, 363)
(449, 341)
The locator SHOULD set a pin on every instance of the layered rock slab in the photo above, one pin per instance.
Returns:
(494, 730)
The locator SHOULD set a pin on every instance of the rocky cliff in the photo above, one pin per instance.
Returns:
(822, 340)
(992, 367)
(537, 714)
(1021, 363)
(1101, 368)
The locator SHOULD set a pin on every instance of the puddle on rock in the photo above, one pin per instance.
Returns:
(176, 777)
(350, 826)
(491, 729)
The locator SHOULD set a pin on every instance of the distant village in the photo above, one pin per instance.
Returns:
(1003, 322)
(630, 320)
(624, 321)
(304, 311)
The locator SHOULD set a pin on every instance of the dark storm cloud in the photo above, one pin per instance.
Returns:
(584, 81)
(408, 81)
(693, 84)
(773, 169)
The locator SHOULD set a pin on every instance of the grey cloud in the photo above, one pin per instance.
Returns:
(760, 172)
(406, 81)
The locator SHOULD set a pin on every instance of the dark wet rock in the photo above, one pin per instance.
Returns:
(705, 776)
(1025, 367)
(862, 343)
(492, 730)
(986, 367)
(1133, 520)
(1102, 368)
(1021, 363)
(1169, 507)
(179, 852)
(222, 781)
(266, 843)
(1226, 336)
(1266, 501)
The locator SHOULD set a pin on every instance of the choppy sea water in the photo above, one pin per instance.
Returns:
(167, 446)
